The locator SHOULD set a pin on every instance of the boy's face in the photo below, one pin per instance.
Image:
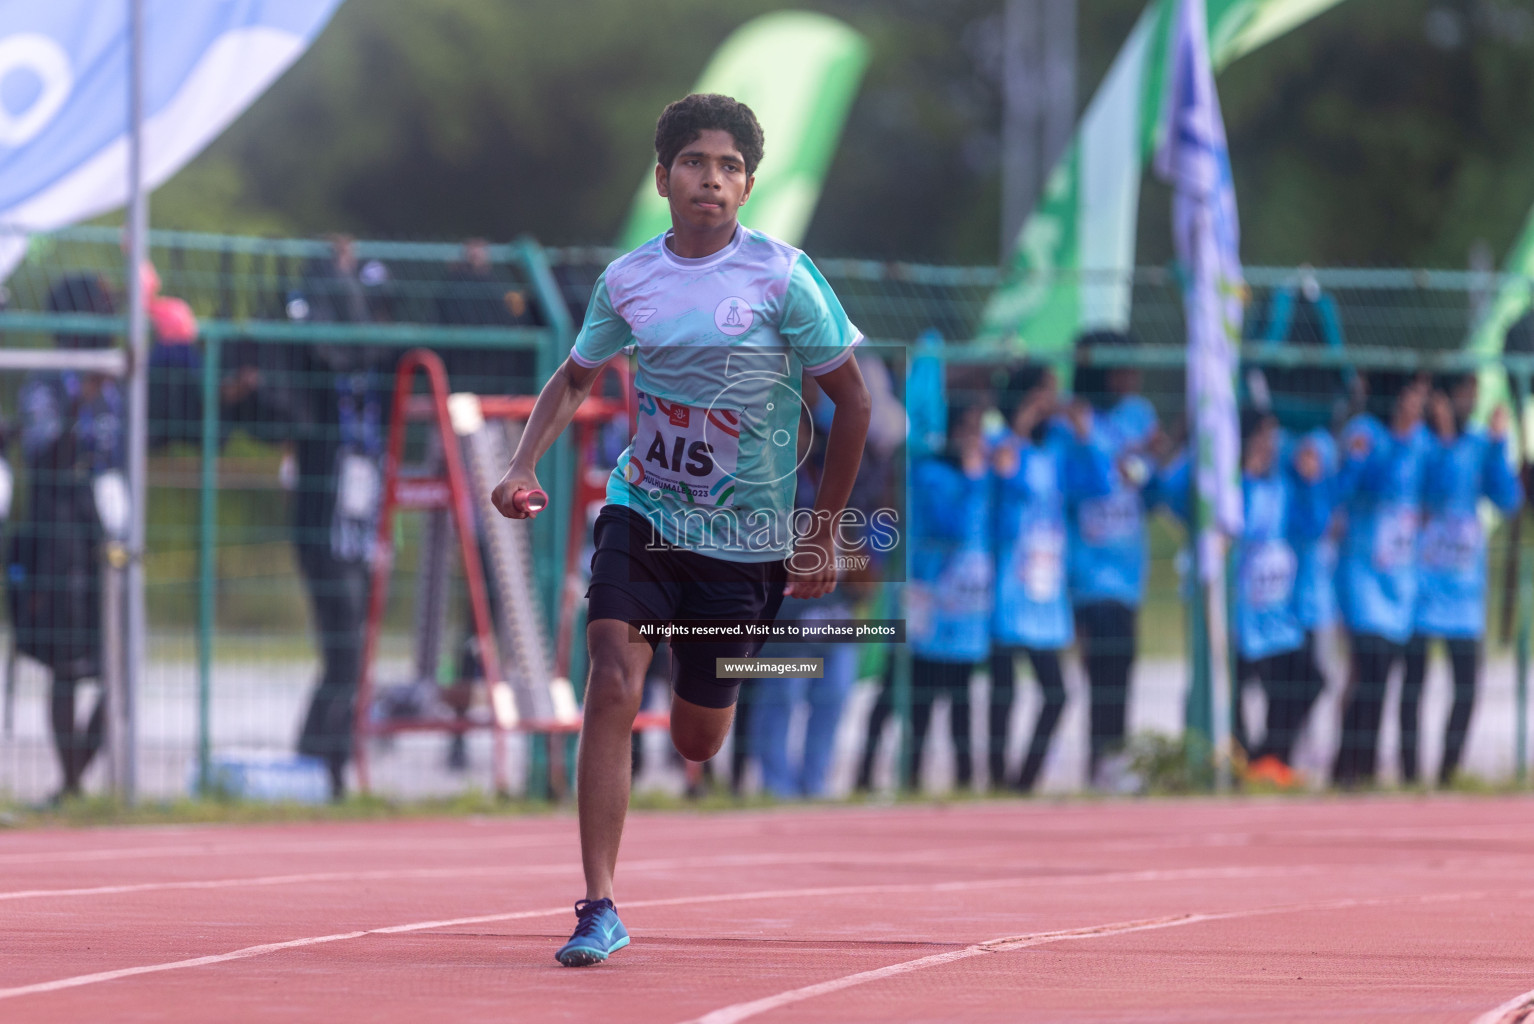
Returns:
(707, 183)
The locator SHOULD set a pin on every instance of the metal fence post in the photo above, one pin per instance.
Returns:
(125, 715)
(206, 556)
(906, 770)
(1525, 615)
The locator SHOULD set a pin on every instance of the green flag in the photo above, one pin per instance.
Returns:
(1071, 266)
(798, 72)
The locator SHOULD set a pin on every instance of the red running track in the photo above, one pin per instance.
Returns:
(1340, 910)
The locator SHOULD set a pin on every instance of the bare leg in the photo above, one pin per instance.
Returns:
(614, 694)
(696, 731)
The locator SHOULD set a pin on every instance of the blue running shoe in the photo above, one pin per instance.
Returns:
(598, 934)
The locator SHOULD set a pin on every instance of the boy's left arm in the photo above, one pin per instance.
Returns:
(845, 388)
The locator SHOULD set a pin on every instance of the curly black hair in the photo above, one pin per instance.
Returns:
(688, 118)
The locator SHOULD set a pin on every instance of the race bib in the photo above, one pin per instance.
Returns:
(1452, 542)
(1111, 519)
(965, 586)
(1040, 563)
(354, 522)
(113, 506)
(1267, 577)
(1395, 537)
(691, 451)
(357, 489)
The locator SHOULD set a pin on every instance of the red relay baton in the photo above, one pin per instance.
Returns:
(530, 501)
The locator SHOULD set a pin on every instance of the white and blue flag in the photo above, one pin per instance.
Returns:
(64, 95)
(1195, 160)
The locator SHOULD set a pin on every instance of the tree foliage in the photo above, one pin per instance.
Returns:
(1386, 131)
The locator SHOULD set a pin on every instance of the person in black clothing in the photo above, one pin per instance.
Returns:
(329, 400)
(338, 444)
(72, 436)
(476, 297)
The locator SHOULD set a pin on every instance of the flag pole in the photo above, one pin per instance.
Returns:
(138, 409)
(1221, 696)
(1194, 157)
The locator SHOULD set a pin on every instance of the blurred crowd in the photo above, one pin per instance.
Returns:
(1029, 535)
(322, 402)
(1027, 506)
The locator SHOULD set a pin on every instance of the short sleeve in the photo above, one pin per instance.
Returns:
(813, 322)
(604, 333)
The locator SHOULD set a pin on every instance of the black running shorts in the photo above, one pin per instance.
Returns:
(637, 577)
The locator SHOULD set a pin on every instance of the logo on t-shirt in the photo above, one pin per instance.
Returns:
(679, 415)
(733, 316)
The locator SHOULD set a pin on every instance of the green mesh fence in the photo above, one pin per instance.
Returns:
(247, 425)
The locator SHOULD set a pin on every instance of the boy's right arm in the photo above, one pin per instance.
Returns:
(555, 407)
(603, 335)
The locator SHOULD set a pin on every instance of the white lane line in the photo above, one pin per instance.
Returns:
(656, 865)
(217, 841)
(1516, 1010)
(765, 894)
(201, 961)
(756, 1007)
(751, 824)
(254, 882)
(737, 1012)
(652, 865)
(371, 845)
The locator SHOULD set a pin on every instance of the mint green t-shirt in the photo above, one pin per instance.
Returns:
(722, 343)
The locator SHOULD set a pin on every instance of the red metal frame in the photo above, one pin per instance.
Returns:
(424, 493)
(450, 490)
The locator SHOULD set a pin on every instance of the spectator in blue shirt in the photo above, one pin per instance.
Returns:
(948, 597)
(1462, 466)
(1380, 485)
(1039, 463)
(1284, 506)
(1106, 547)
(1315, 589)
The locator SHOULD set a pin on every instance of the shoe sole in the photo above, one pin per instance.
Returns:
(585, 956)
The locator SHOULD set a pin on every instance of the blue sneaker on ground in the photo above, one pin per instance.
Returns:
(598, 934)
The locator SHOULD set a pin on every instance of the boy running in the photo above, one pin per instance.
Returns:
(699, 521)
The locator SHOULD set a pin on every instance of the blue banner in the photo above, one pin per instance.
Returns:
(64, 94)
